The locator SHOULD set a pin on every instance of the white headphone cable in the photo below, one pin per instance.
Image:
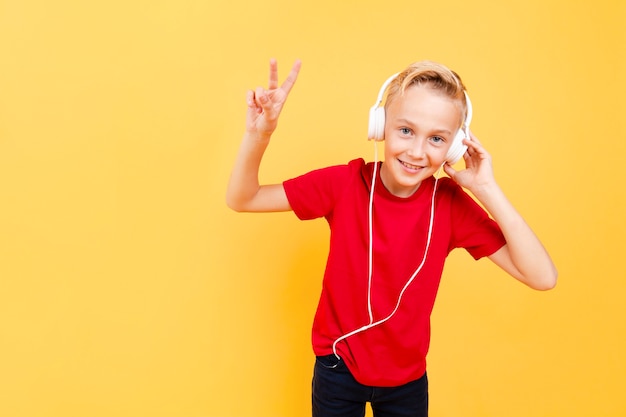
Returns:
(371, 238)
(370, 267)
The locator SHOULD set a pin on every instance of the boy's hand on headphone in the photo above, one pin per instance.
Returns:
(478, 173)
(265, 105)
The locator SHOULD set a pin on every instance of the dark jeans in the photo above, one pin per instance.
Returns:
(337, 394)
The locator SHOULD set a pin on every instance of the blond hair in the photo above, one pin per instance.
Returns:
(431, 74)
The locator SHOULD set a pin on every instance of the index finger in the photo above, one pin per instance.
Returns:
(473, 137)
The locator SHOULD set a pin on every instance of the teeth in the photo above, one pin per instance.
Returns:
(409, 165)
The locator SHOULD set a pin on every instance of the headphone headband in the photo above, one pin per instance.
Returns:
(381, 93)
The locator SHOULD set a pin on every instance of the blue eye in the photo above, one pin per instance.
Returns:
(437, 139)
(405, 130)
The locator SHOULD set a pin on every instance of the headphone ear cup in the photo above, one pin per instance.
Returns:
(457, 149)
(376, 129)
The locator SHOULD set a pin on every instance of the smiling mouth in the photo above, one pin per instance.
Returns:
(410, 166)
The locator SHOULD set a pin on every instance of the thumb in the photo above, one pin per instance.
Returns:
(449, 170)
(266, 104)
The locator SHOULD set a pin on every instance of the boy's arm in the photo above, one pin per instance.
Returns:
(523, 256)
(244, 193)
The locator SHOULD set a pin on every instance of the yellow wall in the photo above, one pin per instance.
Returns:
(127, 288)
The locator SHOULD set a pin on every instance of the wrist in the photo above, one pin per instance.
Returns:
(486, 190)
(258, 136)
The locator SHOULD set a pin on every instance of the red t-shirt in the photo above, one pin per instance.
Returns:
(393, 353)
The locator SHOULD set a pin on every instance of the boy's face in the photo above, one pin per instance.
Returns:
(419, 128)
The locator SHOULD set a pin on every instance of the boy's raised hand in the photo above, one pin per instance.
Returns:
(265, 105)
(478, 172)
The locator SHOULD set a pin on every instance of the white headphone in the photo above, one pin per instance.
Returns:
(376, 130)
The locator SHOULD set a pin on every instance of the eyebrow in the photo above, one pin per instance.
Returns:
(408, 122)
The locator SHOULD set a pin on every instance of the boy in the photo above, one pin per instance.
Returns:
(392, 225)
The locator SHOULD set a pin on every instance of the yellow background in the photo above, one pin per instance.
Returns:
(127, 288)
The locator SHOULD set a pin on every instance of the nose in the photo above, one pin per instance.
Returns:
(417, 148)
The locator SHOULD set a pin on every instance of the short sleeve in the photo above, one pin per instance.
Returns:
(472, 228)
(314, 194)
